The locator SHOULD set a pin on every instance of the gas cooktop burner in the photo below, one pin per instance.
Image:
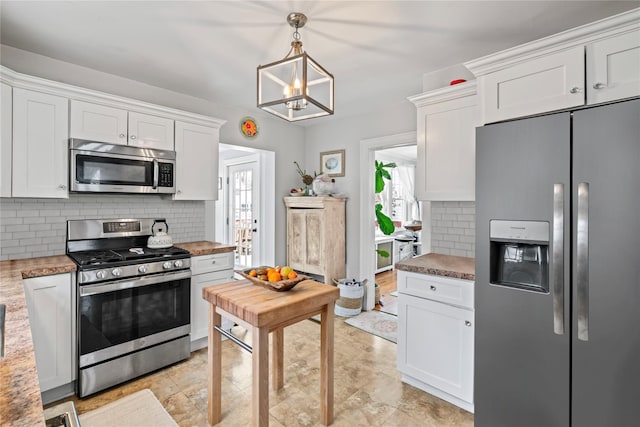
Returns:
(109, 257)
(109, 250)
(95, 257)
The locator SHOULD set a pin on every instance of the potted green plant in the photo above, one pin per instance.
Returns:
(384, 222)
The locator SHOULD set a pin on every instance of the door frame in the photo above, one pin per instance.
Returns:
(368, 147)
(215, 211)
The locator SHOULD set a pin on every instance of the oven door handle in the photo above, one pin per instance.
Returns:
(101, 288)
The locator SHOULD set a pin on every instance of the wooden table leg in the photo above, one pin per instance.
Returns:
(277, 358)
(214, 384)
(326, 364)
(260, 359)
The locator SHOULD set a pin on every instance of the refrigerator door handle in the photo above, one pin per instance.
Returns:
(558, 259)
(582, 276)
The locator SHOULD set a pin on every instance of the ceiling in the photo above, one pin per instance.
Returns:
(376, 50)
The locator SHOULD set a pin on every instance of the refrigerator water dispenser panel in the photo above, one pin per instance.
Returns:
(519, 255)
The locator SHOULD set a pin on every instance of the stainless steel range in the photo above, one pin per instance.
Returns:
(133, 301)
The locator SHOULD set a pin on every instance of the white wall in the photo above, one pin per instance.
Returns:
(285, 139)
(346, 134)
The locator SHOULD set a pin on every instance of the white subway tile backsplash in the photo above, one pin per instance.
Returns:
(453, 228)
(11, 221)
(37, 227)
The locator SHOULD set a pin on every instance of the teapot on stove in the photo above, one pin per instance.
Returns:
(160, 239)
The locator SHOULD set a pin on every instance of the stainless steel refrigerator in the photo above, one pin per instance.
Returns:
(558, 269)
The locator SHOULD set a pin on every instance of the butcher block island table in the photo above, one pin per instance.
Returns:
(262, 311)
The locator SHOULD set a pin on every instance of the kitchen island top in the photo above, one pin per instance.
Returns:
(440, 265)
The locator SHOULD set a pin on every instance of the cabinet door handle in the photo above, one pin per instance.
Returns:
(599, 86)
(575, 89)
(467, 323)
(132, 137)
(213, 262)
(433, 288)
(121, 135)
(62, 187)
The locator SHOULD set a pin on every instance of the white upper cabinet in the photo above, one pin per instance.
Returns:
(96, 122)
(5, 140)
(549, 74)
(196, 162)
(613, 68)
(147, 131)
(447, 120)
(548, 83)
(40, 144)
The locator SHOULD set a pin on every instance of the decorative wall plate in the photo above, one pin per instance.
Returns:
(249, 127)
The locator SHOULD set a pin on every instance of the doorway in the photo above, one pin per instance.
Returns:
(402, 207)
(368, 147)
(244, 214)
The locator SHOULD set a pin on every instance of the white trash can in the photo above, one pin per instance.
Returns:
(350, 302)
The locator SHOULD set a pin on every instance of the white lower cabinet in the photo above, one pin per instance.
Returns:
(436, 339)
(51, 306)
(207, 270)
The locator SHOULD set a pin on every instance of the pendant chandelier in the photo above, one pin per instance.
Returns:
(296, 87)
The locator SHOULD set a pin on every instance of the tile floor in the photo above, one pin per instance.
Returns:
(368, 390)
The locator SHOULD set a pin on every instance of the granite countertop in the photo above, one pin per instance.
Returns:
(20, 401)
(440, 265)
(205, 247)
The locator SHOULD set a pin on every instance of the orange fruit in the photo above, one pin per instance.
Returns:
(274, 277)
(292, 275)
(253, 273)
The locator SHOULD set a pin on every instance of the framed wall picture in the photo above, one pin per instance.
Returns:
(332, 162)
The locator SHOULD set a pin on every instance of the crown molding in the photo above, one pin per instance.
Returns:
(447, 93)
(588, 33)
(24, 81)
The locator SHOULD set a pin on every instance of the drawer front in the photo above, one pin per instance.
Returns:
(437, 288)
(208, 263)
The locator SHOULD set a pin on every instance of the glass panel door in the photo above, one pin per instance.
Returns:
(243, 217)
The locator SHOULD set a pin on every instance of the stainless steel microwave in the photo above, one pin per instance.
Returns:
(97, 167)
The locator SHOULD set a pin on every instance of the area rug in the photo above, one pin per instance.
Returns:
(389, 305)
(377, 323)
(141, 408)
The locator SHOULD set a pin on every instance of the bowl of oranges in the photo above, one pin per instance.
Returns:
(275, 278)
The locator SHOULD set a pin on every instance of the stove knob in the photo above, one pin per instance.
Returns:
(178, 263)
(116, 272)
(167, 265)
(101, 274)
(142, 269)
